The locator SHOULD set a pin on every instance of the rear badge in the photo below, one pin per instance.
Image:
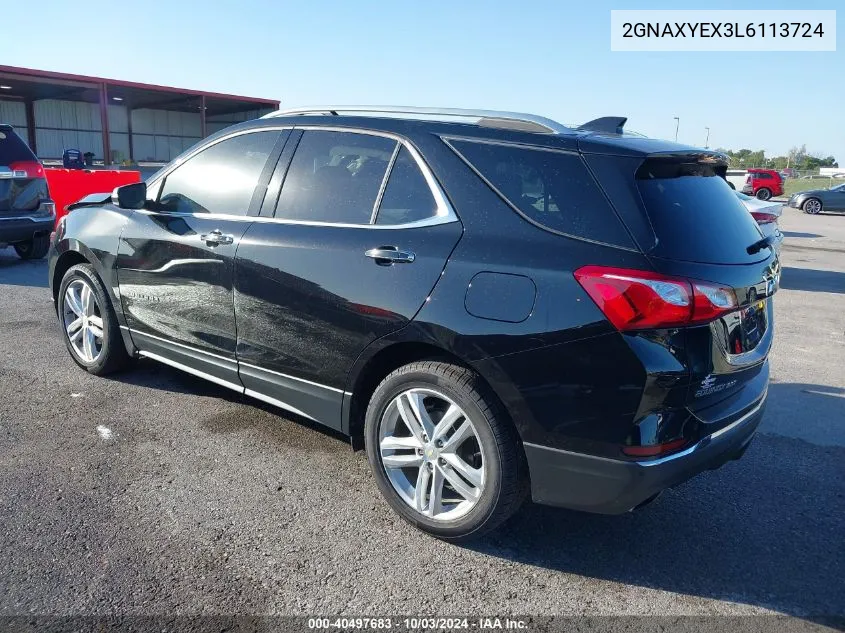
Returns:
(709, 387)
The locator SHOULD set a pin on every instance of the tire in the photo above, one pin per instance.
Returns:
(108, 352)
(489, 448)
(36, 248)
(812, 206)
(763, 193)
(731, 185)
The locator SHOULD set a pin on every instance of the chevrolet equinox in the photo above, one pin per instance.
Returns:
(494, 305)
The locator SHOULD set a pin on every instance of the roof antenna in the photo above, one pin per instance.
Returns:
(610, 124)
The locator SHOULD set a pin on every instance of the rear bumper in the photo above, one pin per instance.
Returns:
(610, 486)
(23, 229)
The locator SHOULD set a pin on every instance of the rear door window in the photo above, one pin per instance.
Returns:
(407, 197)
(551, 189)
(335, 177)
(695, 214)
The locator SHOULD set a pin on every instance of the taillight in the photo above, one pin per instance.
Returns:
(764, 218)
(27, 169)
(639, 299)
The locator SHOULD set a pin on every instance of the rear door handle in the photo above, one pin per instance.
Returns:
(216, 237)
(387, 255)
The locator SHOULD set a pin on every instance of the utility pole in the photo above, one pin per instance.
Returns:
(677, 125)
(707, 140)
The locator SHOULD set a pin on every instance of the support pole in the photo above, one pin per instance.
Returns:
(30, 125)
(203, 127)
(104, 119)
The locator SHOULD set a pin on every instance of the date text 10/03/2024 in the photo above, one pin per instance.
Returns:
(418, 624)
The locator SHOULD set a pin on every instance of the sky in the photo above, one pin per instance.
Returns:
(546, 57)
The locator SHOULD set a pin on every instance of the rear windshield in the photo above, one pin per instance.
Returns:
(12, 148)
(550, 188)
(696, 216)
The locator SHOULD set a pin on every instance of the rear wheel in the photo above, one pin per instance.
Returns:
(89, 324)
(443, 452)
(812, 206)
(36, 248)
(763, 193)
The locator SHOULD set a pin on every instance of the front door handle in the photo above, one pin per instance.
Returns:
(216, 237)
(388, 255)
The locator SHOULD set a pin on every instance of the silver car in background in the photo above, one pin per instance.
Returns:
(767, 214)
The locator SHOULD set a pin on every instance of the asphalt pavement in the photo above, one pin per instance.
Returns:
(154, 492)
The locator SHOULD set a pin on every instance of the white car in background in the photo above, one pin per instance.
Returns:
(767, 214)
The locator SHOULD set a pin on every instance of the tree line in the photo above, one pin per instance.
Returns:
(797, 158)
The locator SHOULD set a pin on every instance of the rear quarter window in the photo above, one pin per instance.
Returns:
(552, 189)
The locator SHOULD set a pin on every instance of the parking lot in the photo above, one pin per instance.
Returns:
(154, 492)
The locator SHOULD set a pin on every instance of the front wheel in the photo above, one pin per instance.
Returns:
(36, 248)
(812, 206)
(443, 452)
(89, 325)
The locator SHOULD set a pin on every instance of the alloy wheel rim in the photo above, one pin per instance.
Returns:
(430, 451)
(813, 206)
(83, 321)
(764, 194)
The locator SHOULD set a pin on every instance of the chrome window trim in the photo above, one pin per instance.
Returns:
(182, 159)
(445, 214)
(384, 180)
(517, 210)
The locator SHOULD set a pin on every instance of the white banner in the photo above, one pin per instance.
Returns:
(718, 30)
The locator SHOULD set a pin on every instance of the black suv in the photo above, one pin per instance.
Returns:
(491, 303)
(27, 214)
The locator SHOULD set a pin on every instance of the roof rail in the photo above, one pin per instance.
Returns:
(485, 118)
(612, 124)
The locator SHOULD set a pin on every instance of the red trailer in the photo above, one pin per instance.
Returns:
(69, 185)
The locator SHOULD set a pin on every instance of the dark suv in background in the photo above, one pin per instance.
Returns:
(492, 303)
(27, 214)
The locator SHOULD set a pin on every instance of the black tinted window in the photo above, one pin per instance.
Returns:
(553, 189)
(335, 177)
(220, 179)
(407, 197)
(695, 214)
(12, 148)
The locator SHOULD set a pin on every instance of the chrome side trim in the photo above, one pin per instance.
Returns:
(662, 460)
(276, 403)
(486, 118)
(233, 361)
(303, 380)
(182, 345)
(191, 370)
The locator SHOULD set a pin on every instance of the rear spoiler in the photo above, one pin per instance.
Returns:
(91, 200)
(607, 124)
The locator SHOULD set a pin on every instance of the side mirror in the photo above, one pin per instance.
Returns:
(132, 196)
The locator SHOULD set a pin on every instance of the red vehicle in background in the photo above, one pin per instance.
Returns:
(763, 184)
